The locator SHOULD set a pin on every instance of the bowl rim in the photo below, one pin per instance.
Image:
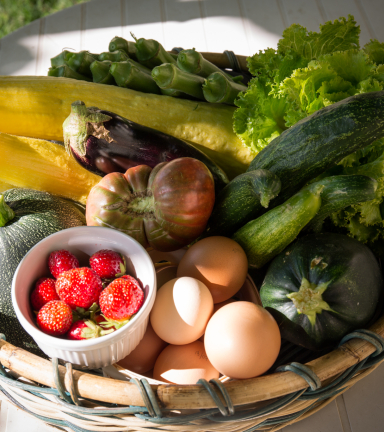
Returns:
(78, 345)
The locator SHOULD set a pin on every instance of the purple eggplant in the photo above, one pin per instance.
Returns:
(103, 142)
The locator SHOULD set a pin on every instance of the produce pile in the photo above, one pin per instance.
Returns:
(307, 72)
(167, 172)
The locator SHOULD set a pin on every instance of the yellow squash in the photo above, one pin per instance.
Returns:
(37, 107)
(42, 165)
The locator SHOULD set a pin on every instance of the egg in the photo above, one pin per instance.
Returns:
(181, 310)
(219, 262)
(143, 357)
(242, 340)
(184, 364)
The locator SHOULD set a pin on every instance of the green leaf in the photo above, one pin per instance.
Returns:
(260, 117)
(375, 51)
(340, 35)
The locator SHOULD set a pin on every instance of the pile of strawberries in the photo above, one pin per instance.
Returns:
(85, 302)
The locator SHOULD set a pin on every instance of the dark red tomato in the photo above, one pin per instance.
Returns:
(166, 207)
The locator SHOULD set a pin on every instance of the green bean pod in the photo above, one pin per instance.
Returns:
(169, 76)
(65, 71)
(61, 58)
(119, 43)
(101, 72)
(114, 56)
(131, 75)
(217, 88)
(151, 53)
(193, 62)
(80, 62)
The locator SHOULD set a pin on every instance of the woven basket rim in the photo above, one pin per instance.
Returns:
(172, 396)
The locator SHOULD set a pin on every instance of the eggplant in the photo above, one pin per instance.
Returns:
(104, 142)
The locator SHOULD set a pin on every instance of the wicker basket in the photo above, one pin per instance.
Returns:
(84, 401)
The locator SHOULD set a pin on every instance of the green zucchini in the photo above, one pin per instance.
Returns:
(321, 140)
(322, 287)
(241, 200)
(26, 217)
(265, 237)
(340, 192)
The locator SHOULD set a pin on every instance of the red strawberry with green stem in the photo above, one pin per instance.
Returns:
(108, 264)
(79, 287)
(86, 329)
(120, 300)
(55, 318)
(60, 261)
(43, 292)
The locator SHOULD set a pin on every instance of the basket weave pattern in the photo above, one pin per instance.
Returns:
(85, 402)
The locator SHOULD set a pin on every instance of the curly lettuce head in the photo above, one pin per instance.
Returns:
(263, 109)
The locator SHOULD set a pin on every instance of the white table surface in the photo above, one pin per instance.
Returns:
(243, 26)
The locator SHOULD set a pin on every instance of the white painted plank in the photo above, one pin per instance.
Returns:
(303, 12)
(374, 11)
(224, 27)
(325, 420)
(145, 20)
(17, 420)
(364, 403)
(19, 51)
(341, 8)
(184, 26)
(102, 22)
(263, 23)
(61, 30)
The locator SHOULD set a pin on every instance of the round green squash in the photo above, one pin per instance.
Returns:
(26, 217)
(322, 287)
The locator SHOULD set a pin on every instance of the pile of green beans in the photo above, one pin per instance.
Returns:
(145, 66)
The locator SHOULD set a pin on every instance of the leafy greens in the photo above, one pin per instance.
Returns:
(307, 72)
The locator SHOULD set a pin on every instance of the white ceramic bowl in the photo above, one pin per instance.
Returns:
(83, 242)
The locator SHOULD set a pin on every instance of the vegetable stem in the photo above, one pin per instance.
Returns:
(80, 62)
(6, 213)
(169, 76)
(217, 88)
(119, 43)
(101, 72)
(114, 56)
(66, 72)
(132, 75)
(151, 53)
(193, 62)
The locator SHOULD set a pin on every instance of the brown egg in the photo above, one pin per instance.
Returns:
(216, 307)
(143, 357)
(182, 309)
(242, 340)
(219, 262)
(184, 364)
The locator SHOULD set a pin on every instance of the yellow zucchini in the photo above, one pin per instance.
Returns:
(45, 166)
(37, 107)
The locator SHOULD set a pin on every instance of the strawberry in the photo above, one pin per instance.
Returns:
(108, 264)
(60, 261)
(43, 292)
(55, 318)
(105, 323)
(121, 299)
(79, 287)
(86, 329)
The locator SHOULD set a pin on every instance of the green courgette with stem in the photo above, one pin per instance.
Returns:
(321, 140)
(240, 201)
(340, 192)
(265, 237)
